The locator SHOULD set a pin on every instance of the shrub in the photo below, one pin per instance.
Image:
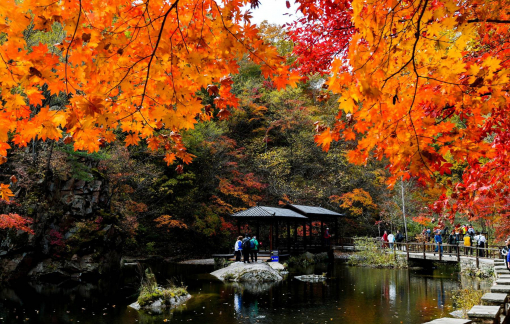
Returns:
(465, 299)
(151, 292)
(370, 254)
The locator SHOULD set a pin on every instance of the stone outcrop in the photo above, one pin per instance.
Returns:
(159, 305)
(251, 272)
(73, 238)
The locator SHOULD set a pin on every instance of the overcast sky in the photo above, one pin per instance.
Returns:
(273, 11)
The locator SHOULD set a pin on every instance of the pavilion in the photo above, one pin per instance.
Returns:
(296, 215)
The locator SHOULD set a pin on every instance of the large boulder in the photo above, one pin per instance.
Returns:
(251, 272)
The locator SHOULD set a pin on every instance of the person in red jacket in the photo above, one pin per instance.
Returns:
(385, 239)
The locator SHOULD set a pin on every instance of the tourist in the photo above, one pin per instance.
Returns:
(452, 241)
(439, 241)
(254, 249)
(238, 247)
(327, 237)
(481, 244)
(246, 249)
(398, 239)
(391, 240)
(505, 253)
(504, 250)
(384, 240)
(471, 230)
(467, 245)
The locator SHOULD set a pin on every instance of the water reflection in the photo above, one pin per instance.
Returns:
(352, 295)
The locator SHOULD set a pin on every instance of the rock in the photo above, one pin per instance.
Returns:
(457, 314)
(158, 305)
(311, 278)
(277, 266)
(135, 306)
(252, 272)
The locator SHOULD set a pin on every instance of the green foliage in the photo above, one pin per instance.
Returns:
(78, 160)
(465, 299)
(482, 273)
(370, 254)
(150, 247)
(151, 292)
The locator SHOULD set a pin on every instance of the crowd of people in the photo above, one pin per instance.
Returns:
(247, 247)
(460, 235)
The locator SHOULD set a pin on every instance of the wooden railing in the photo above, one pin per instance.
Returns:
(455, 251)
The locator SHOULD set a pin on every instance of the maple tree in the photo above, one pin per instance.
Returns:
(129, 70)
(424, 84)
(321, 34)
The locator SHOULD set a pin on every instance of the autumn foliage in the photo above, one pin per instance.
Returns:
(130, 71)
(424, 84)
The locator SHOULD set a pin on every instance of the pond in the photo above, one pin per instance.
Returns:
(350, 295)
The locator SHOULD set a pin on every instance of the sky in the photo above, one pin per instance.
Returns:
(273, 11)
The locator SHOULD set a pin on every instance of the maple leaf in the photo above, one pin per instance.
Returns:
(169, 158)
(5, 192)
(325, 138)
(132, 139)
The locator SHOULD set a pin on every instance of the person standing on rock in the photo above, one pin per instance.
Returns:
(254, 248)
(238, 248)
(246, 249)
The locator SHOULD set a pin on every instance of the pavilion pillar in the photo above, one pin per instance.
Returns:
(304, 234)
(258, 230)
(238, 228)
(271, 237)
(322, 232)
(288, 236)
(276, 229)
(336, 231)
(295, 232)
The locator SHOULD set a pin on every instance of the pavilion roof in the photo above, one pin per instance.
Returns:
(264, 211)
(312, 210)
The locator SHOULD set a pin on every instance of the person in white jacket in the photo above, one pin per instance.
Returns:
(391, 240)
(238, 247)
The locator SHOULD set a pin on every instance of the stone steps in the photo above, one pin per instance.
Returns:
(446, 320)
(503, 281)
(485, 314)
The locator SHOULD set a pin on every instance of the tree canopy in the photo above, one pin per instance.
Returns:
(424, 84)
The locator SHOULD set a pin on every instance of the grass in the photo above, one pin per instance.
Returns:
(150, 291)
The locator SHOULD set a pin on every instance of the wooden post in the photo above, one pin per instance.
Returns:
(477, 261)
(458, 253)
(337, 236)
(304, 235)
(258, 230)
(271, 237)
(277, 230)
(295, 233)
(238, 228)
(439, 246)
(288, 236)
(424, 257)
(407, 251)
(322, 232)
